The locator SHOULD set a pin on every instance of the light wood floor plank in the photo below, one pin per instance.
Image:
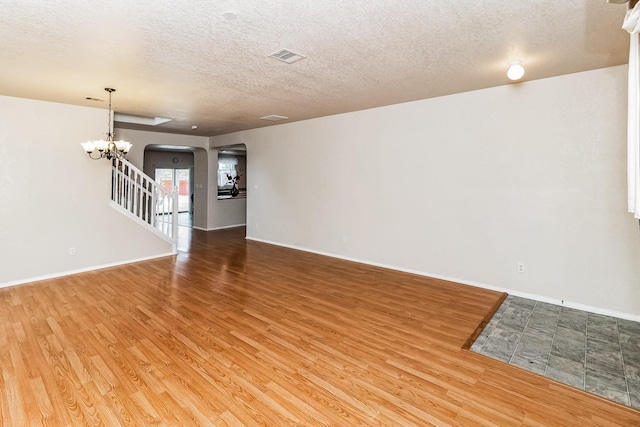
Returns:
(241, 333)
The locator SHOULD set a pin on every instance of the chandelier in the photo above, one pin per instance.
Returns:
(107, 149)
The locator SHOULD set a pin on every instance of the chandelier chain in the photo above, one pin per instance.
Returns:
(109, 135)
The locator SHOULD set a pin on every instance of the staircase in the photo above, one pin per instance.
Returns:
(141, 198)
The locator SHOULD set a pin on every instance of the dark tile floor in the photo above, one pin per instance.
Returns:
(597, 353)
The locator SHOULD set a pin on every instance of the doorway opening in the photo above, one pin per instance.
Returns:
(232, 172)
(185, 169)
(179, 179)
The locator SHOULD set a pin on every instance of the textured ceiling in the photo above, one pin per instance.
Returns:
(185, 61)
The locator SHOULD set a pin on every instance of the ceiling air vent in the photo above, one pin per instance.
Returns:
(273, 118)
(285, 55)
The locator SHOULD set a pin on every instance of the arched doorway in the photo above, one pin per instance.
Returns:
(229, 208)
(174, 169)
(232, 172)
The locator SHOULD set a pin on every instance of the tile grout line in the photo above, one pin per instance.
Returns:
(586, 341)
(553, 338)
(624, 368)
(521, 334)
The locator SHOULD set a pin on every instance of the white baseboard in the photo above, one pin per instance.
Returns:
(535, 297)
(221, 228)
(82, 270)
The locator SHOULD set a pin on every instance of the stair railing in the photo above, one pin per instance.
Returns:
(145, 199)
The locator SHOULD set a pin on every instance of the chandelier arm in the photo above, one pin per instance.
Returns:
(95, 158)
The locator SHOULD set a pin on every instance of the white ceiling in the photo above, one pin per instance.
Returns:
(185, 61)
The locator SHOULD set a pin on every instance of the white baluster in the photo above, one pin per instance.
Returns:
(144, 198)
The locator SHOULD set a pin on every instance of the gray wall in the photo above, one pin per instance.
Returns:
(165, 159)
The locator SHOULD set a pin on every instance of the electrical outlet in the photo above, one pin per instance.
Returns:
(520, 267)
(72, 251)
(344, 239)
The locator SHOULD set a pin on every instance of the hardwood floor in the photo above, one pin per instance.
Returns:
(237, 332)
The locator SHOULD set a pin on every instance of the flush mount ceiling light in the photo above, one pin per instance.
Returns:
(107, 148)
(515, 71)
(229, 16)
(139, 120)
(273, 118)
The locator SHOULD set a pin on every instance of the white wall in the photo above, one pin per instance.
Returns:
(464, 187)
(53, 197)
